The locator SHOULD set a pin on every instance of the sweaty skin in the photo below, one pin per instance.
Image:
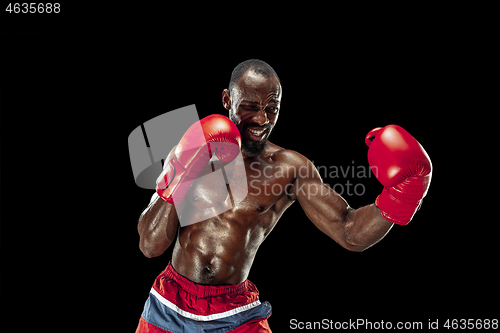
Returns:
(220, 250)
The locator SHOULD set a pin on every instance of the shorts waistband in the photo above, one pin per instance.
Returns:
(201, 290)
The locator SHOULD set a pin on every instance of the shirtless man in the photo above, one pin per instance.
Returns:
(205, 285)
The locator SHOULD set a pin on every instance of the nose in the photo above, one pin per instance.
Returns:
(260, 118)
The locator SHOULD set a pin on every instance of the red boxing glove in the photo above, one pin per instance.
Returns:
(215, 134)
(401, 164)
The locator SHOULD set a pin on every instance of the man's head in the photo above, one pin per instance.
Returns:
(253, 100)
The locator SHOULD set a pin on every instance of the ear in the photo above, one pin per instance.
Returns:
(226, 99)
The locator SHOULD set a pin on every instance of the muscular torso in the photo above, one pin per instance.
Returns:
(220, 249)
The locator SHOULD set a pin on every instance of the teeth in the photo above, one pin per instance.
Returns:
(254, 132)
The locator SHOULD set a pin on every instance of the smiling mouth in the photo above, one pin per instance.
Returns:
(256, 132)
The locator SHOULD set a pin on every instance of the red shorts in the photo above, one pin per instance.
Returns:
(177, 305)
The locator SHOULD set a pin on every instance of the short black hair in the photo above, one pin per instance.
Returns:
(258, 66)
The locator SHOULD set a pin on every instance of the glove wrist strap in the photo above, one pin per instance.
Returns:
(395, 210)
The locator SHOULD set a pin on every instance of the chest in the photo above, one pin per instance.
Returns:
(243, 188)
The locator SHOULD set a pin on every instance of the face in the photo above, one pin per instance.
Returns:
(254, 107)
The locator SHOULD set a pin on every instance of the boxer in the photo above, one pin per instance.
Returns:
(205, 286)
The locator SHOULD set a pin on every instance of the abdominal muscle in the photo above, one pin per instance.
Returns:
(216, 251)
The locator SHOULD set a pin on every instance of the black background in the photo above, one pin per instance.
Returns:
(74, 86)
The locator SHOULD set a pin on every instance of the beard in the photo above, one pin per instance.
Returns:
(253, 148)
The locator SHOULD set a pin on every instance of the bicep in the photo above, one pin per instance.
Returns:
(326, 209)
(158, 223)
(157, 227)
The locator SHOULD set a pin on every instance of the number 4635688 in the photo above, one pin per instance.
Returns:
(33, 7)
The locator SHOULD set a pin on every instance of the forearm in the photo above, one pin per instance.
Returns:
(157, 227)
(365, 227)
